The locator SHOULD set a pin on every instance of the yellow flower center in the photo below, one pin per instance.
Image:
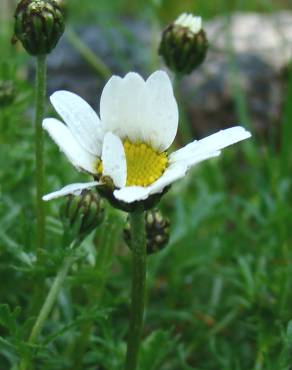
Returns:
(144, 164)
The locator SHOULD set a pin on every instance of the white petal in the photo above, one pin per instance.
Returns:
(212, 143)
(180, 20)
(194, 160)
(120, 106)
(81, 119)
(110, 105)
(131, 102)
(131, 194)
(141, 111)
(62, 136)
(114, 159)
(174, 172)
(74, 189)
(159, 112)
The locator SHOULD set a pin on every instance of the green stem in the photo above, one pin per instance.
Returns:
(39, 162)
(92, 59)
(137, 222)
(47, 307)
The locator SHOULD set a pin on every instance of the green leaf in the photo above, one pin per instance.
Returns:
(155, 349)
(8, 317)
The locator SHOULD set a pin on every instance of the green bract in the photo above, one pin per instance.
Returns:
(39, 24)
(82, 214)
(157, 231)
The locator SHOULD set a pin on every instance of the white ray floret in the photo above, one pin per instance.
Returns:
(193, 23)
(77, 155)
(128, 143)
(130, 107)
(114, 160)
(72, 189)
(81, 119)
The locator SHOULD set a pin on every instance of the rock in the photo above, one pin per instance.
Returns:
(244, 71)
(267, 36)
(122, 48)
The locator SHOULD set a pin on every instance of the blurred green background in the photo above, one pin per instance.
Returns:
(220, 294)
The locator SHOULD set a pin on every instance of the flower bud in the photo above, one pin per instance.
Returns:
(39, 24)
(7, 93)
(157, 231)
(82, 214)
(184, 44)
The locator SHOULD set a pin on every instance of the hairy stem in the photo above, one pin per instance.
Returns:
(39, 162)
(47, 307)
(138, 288)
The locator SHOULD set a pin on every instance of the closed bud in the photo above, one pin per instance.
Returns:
(184, 44)
(82, 214)
(39, 24)
(157, 231)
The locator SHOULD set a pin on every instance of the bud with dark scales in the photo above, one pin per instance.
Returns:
(39, 24)
(184, 44)
(157, 231)
(82, 214)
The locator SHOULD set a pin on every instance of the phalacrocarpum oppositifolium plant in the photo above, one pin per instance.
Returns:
(184, 44)
(80, 215)
(125, 150)
(39, 24)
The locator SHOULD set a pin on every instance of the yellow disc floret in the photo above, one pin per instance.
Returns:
(144, 164)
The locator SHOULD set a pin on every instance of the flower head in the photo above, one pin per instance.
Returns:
(81, 214)
(126, 149)
(184, 44)
(39, 24)
(157, 231)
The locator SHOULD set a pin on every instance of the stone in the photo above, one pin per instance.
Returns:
(244, 71)
(123, 48)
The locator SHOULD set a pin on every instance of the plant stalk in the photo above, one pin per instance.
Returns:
(47, 307)
(137, 222)
(41, 71)
(88, 55)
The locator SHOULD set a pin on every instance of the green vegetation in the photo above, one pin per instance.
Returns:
(219, 296)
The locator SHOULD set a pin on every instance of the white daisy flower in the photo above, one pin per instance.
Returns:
(129, 142)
